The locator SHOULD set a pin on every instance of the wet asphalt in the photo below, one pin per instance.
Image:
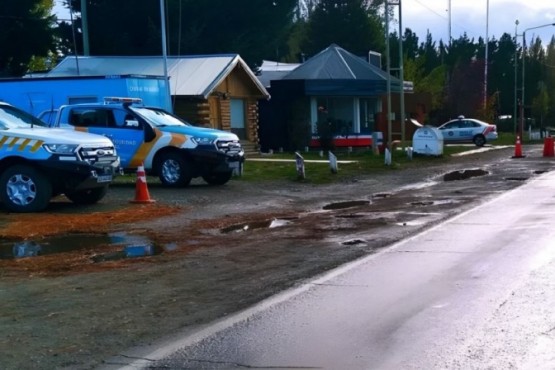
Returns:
(475, 291)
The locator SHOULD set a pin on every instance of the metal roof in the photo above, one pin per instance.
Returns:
(336, 63)
(270, 70)
(196, 75)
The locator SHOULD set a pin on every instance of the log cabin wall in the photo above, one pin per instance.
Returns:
(215, 112)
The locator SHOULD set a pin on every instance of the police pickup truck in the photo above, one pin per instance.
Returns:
(164, 144)
(37, 163)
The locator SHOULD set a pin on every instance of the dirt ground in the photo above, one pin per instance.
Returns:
(218, 250)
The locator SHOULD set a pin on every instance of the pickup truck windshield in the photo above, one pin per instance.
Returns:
(159, 117)
(11, 117)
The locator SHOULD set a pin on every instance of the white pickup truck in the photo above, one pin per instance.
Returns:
(38, 163)
(163, 143)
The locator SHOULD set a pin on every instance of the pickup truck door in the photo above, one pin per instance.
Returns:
(126, 140)
(126, 132)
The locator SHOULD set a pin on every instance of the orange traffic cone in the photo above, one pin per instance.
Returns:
(141, 190)
(518, 148)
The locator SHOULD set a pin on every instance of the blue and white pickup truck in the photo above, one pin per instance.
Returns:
(37, 163)
(164, 144)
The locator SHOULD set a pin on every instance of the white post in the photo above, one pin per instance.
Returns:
(299, 162)
(333, 162)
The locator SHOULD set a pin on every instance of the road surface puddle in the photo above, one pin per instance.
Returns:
(265, 224)
(434, 202)
(347, 204)
(131, 246)
(464, 174)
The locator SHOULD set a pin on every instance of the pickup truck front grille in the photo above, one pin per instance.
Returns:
(95, 154)
(229, 147)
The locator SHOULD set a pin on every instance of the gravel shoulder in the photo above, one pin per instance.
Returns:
(221, 253)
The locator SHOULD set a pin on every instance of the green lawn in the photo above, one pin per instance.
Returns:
(319, 173)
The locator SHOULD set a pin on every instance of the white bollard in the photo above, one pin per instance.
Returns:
(387, 157)
(333, 162)
(299, 162)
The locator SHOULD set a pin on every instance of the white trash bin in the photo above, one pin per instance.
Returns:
(427, 141)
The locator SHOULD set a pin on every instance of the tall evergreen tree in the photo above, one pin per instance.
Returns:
(354, 25)
(255, 29)
(501, 72)
(26, 32)
(550, 79)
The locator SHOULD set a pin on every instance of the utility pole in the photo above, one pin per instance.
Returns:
(449, 25)
(401, 77)
(515, 112)
(486, 59)
(85, 25)
(388, 69)
(165, 54)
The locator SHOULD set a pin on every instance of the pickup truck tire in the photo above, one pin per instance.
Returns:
(174, 170)
(87, 196)
(24, 189)
(218, 178)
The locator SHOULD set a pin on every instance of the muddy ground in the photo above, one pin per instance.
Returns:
(217, 250)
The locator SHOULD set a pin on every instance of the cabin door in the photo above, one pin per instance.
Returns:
(238, 118)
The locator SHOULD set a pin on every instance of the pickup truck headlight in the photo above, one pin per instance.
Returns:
(203, 140)
(61, 148)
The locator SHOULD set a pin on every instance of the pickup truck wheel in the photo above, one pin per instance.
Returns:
(218, 178)
(24, 189)
(87, 196)
(174, 170)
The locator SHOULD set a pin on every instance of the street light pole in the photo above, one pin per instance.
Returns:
(515, 112)
(486, 59)
(388, 68)
(169, 106)
(524, 67)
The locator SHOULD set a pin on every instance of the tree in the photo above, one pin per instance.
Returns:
(435, 84)
(255, 29)
(501, 72)
(428, 51)
(550, 78)
(27, 32)
(535, 69)
(354, 25)
(540, 104)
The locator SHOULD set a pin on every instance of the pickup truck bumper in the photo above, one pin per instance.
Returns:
(216, 161)
(81, 175)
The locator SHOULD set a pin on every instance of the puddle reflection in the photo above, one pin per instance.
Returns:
(131, 246)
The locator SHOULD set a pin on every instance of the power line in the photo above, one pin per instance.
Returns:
(431, 10)
(440, 15)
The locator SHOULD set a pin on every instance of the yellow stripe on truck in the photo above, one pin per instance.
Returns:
(178, 140)
(143, 151)
(30, 144)
(37, 146)
(12, 142)
(22, 146)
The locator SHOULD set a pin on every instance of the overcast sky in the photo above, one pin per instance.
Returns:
(466, 16)
(470, 16)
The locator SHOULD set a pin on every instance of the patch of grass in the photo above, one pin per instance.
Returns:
(364, 163)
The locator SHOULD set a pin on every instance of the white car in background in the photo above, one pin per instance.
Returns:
(469, 130)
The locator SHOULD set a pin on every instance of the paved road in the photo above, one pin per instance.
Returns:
(477, 291)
